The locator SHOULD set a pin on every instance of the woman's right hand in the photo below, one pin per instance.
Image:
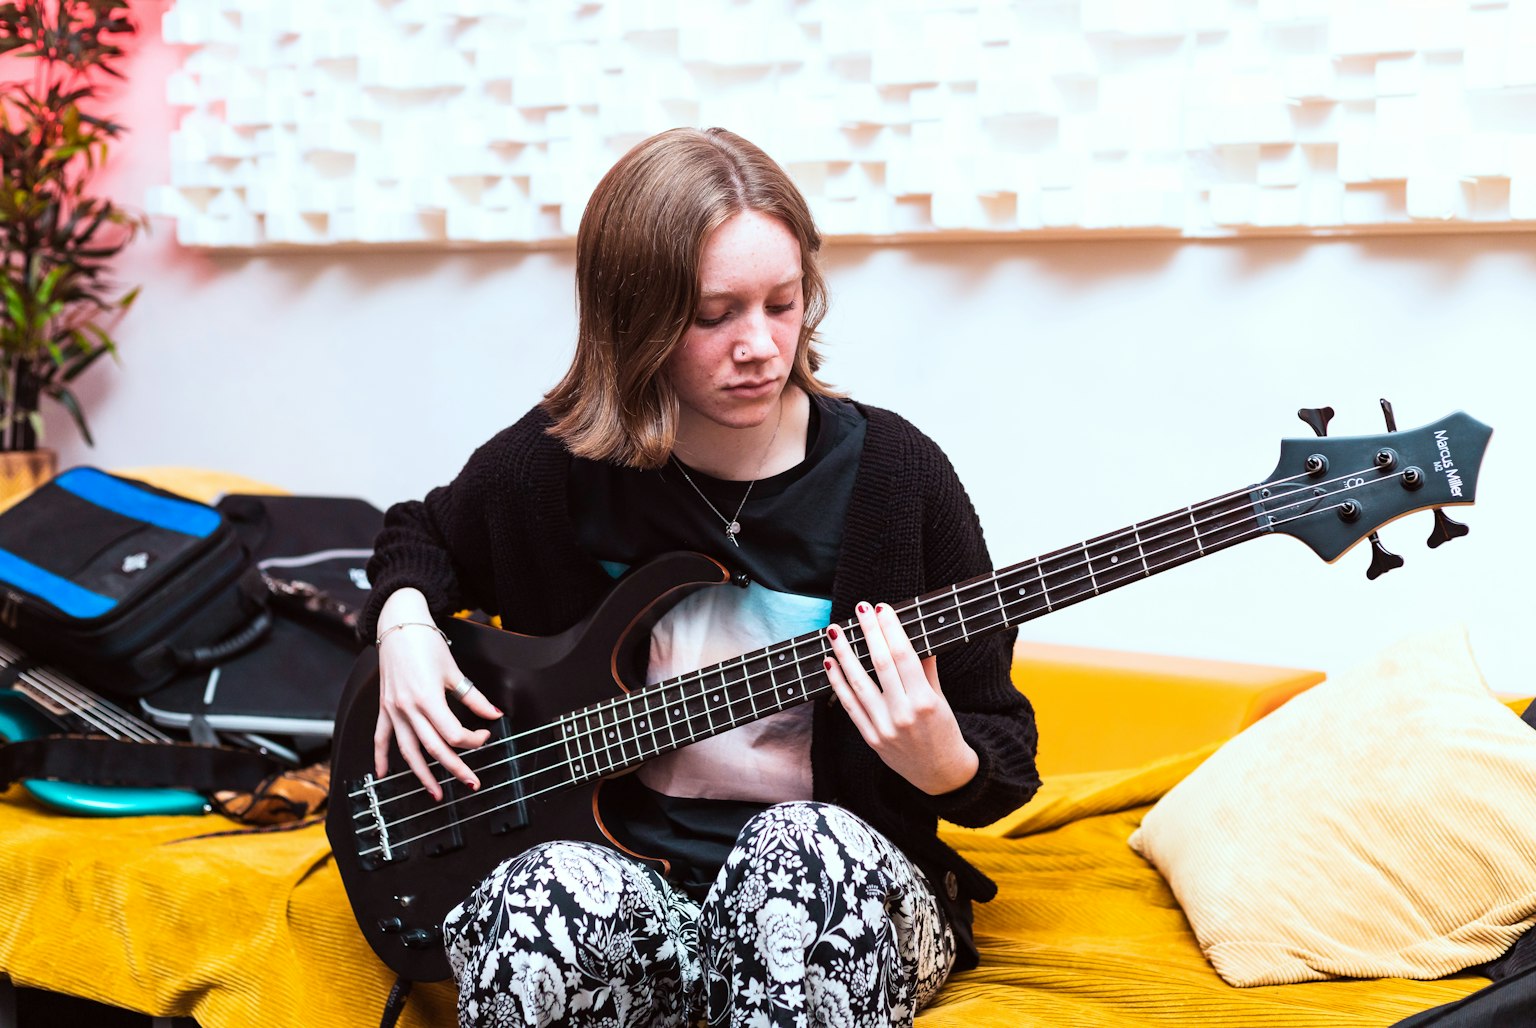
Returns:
(416, 671)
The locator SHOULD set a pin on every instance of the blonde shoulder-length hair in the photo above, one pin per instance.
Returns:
(637, 285)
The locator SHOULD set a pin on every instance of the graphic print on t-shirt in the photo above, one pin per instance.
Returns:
(764, 761)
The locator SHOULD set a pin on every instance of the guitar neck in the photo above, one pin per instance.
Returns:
(72, 705)
(614, 735)
(1036, 587)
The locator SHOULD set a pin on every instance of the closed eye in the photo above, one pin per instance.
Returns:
(772, 308)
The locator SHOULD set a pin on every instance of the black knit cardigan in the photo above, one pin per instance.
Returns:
(499, 537)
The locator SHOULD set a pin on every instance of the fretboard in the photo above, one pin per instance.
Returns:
(617, 734)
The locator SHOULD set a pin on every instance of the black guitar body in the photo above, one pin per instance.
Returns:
(405, 860)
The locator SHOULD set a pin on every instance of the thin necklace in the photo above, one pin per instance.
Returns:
(733, 523)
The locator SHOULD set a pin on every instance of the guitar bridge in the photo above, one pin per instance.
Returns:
(370, 826)
(392, 822)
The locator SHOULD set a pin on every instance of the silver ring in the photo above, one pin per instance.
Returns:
(462, 689)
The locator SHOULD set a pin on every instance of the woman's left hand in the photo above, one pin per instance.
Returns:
(901, 712)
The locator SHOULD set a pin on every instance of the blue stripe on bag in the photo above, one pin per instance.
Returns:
(61, 592)
(131, 502)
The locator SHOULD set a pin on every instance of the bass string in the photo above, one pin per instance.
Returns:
(985, 588)
(105, 716)
(990, 609)
(459, 821)
(699, 675)
(96, 712)
(645, 696)
(566, 766)
(565, 778)
(563, 782)
(457, 805)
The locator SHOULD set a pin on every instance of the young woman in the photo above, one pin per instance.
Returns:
(807, 882)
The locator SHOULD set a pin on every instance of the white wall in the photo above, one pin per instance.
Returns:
(1078, 386)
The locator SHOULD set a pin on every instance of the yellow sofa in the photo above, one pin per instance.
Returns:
(173, 916)
(167, 916)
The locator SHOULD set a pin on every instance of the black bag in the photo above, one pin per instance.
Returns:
(311, 552)
(1509, 1002)
(123, 585)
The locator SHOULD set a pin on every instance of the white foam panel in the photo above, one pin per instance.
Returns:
(447, 122)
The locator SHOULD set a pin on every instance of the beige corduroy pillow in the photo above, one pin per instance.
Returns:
(1380, 824)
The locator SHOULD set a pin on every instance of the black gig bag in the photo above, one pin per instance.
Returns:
(123, 585)
(283, 693)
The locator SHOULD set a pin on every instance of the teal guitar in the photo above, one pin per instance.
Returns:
(43, 702)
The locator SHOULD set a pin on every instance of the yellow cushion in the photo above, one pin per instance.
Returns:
(1378, 825)
(1085, 933)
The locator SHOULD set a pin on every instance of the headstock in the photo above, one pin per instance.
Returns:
(1333, 492)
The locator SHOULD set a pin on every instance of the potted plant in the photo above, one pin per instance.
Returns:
(56, 238)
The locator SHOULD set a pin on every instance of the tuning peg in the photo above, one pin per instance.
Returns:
(1382, 559)
(1445, 529)
(1317, 418)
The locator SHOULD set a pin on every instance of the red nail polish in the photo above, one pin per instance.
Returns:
(827, 665)
(863, 608)
(880, 608)
(831, 631)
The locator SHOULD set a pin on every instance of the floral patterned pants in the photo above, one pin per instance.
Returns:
(816, 918)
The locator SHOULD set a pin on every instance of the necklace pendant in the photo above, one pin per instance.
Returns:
(732, 531)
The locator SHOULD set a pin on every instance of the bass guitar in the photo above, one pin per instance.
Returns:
(41, 701)
(575, 719)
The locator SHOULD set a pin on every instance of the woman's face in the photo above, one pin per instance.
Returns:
(734, 360)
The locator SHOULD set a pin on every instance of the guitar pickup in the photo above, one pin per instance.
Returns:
(445, 823)
(501, 783)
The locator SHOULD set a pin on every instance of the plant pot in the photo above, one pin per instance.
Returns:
(21, 471)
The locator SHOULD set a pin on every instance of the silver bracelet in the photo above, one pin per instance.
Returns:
(411, 624)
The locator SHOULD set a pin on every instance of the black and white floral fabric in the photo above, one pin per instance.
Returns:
(815, 919)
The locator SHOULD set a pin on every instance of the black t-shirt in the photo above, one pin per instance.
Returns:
(791, 531)
(792, 523)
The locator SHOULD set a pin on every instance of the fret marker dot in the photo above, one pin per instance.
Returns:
(1114, 560)
(610, 735)
(783, 655)
(941, 619)
(1021, 592)
(716, 698)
